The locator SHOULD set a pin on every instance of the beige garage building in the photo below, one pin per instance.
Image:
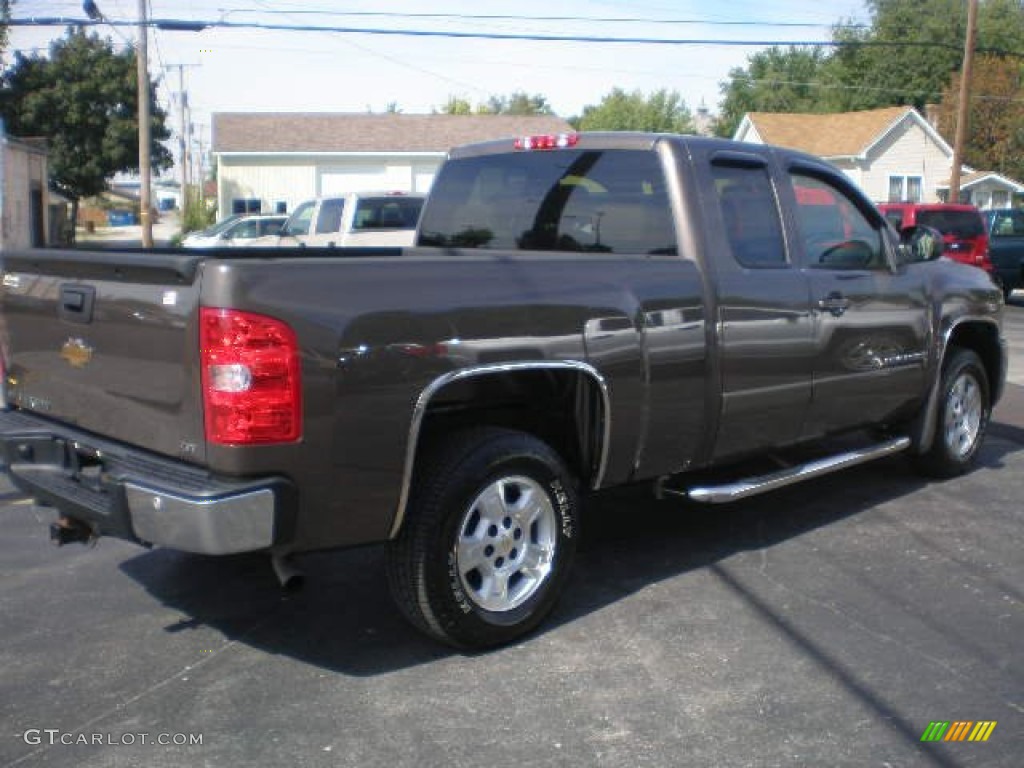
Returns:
(273, 161)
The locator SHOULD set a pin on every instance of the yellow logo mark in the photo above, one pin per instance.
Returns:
(76, 352)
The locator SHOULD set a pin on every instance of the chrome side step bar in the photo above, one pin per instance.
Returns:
(741, 489)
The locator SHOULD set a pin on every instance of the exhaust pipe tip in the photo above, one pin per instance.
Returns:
(289, 577)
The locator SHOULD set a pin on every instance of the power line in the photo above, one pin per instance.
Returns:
(770, 81)
(392, 59)
(515, 17)
(197, 26)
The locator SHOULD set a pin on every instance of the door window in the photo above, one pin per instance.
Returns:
(298, 223)
(245, 230)
(834, 233)
(750, 214)
(328, 221)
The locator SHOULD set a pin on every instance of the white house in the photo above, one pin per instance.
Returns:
(273, 161)
(893, 154)
(24, 198)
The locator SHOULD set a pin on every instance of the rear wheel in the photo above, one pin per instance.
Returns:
(962, 415)
(488, 540)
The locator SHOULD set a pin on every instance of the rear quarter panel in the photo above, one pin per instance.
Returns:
(375, 332)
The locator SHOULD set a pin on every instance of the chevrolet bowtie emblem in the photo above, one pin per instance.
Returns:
(76, 352)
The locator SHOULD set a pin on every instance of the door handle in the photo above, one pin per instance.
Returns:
(835, 304)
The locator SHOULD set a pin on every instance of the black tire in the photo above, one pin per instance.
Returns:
(489, 507)
(961, 418)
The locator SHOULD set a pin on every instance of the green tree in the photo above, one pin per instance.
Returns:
(456, 105)
(83, 99)
(516, 103)
(774, 80)
(904, 57)
(662, 111)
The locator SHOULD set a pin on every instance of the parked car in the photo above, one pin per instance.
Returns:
(358, 218)
(962, 226)
(236, 230)
(1006, 246)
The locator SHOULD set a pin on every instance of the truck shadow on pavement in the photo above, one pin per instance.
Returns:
(343, 620)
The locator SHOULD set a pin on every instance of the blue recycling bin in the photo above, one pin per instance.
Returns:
(120, 218)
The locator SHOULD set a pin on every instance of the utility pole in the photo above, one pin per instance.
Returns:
(145, 205)
(963, 108)
(200, 160)
(184, 138)
(182, 144)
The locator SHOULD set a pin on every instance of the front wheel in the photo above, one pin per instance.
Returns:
(488, 540)
(962, 415)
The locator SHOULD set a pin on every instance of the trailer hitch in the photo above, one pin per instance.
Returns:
(68, 530)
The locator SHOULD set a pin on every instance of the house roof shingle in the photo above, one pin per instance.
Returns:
(354, 132)
(844, 134)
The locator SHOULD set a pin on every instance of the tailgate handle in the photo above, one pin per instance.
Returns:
(76, 302)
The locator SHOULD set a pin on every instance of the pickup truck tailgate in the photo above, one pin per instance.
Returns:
(107, 342)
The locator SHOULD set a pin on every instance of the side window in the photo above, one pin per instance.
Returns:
(328, 221)
(298, 223)
(895, 218)
(750, 214)
(1008, 224)
(835, 234)
(245, 230)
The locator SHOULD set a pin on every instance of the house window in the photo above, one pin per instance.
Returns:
(905, 189)
(245, 205)
(1000, 198)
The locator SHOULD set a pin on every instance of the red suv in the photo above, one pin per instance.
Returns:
(962, 227)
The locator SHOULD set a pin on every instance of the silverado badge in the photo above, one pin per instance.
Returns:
(76, 352)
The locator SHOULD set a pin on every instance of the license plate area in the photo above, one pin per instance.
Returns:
(80, 462)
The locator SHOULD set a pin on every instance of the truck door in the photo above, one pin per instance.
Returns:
(870, 319)
(326, 230)
(296, 229)
(763, 319)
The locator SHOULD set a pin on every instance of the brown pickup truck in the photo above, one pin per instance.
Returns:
(580, 312)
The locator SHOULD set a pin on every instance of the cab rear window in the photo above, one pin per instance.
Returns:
(389, 212)
(579, 201)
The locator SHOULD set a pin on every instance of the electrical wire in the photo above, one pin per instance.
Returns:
(516, 17)
(197, 25)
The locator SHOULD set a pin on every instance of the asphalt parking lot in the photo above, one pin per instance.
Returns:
(827, 624)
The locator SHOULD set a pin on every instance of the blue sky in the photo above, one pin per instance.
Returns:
(256, 70)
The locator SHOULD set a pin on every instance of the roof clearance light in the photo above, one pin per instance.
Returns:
(547, 141)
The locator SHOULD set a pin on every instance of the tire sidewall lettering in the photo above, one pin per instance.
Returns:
(462, 600)
(562, 505)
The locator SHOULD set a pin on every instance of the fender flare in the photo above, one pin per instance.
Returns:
(434, 387)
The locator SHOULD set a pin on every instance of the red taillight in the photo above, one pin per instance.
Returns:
(250, 373)
(548, 141)
(981, 257)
